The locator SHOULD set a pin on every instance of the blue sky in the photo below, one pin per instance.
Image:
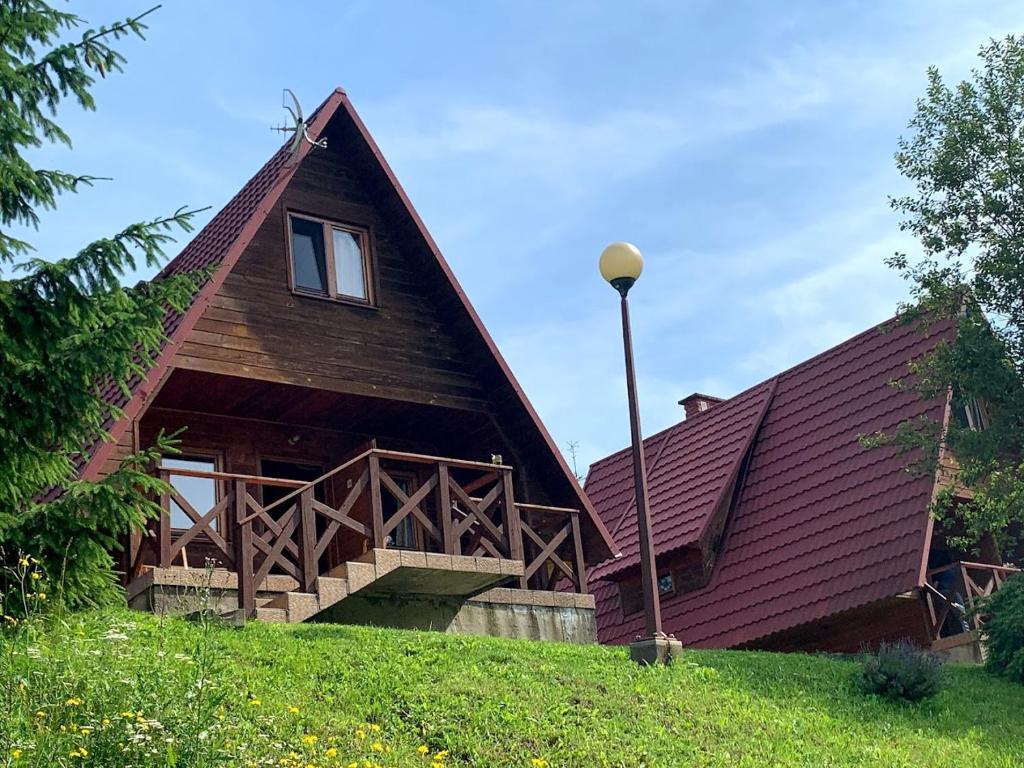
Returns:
(746, 148)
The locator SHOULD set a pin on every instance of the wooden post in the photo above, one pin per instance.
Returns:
(376, 505)
(242, 535)
(163, 536)
(307, 540)
(513, 529)
(578, 564)
(444, 510)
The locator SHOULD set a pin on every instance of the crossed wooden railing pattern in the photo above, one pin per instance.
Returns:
(966, 584)
(461, 508)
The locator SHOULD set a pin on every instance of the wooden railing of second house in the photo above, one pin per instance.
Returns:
(966, 584)
(461, 507)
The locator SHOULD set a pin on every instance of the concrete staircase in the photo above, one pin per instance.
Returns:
(292, 607)
(392, 572)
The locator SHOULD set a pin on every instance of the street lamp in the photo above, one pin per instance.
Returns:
(621, 265)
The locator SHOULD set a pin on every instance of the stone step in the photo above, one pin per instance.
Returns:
(273, 615)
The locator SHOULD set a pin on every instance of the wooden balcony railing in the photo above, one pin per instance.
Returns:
(457, 507)
(953, 592)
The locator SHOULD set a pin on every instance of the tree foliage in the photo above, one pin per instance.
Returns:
(965, 159)
(68, 328)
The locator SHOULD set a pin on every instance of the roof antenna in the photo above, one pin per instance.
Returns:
(299, 129)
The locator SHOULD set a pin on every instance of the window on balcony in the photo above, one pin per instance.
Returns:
(201, 493)
(330, 260)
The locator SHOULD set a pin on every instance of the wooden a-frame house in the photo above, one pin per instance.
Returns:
(356, 449)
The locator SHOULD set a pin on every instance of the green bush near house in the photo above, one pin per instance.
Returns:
(901, 672)
(1004, 628)
(130, 688)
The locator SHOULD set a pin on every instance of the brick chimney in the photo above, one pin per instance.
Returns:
(697, 402)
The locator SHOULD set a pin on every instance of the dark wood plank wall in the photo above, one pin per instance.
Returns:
(257, 327)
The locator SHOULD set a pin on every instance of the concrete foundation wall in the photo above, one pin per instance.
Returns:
(476, 616)
(500, 612)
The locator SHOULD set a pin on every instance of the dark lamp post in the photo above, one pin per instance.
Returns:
(621, 265)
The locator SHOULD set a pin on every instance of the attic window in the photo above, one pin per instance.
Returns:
(330, 260)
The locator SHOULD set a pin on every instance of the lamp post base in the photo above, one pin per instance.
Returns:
(655, 651)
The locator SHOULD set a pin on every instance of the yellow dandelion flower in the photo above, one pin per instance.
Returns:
(23, 562)
(352, 765)
(254, 702)
(375, 728)
(423, 749)
(41, 596)
(436, 764)
(40, 713)
(360, 734)
(377, 746)
(128, 715)
(73, 702)
(538, 762)
(36, 576)
(293, 710)
(332, 752)
(309, 738)
(16, 753)
(105, 721)
(441, 755)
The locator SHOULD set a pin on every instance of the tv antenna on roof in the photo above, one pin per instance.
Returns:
(299, 128)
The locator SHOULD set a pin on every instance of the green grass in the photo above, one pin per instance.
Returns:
(487, 702)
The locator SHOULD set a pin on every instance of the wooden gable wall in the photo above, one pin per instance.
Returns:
(257, 327)
(417, 345)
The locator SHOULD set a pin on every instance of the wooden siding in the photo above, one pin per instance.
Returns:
(257, 327)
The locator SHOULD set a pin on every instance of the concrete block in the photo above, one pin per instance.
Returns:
(655, 650)
(386, 560)
(463, 563)
(414, 559)
(302, 605)
(563, 599)
(488, 565)
(511, 567)
(331, 590)
(584, 601)
(442, 562)
(360, 575)
(273, 615)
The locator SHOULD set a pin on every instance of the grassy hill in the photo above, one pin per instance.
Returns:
(117, 688)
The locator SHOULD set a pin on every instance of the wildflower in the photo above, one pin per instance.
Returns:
(40, 713)
(377, 746)
(441, 755)
(360, 734)
(423, 749)
(309, 738)
(332, 752)
(254, 702)
(293, 710)
(74, 702)
(36, 576)
(375, 728)
(41, 596)
(538, 762)
(436, 764)
(23, 562)
(16, 753)
(128, 715)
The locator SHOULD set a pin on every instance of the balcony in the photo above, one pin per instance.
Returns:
(384, 522)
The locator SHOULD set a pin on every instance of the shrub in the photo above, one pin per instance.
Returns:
(902, 671)
(1004, 628)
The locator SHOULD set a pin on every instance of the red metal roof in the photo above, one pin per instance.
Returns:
(221, 242)
(820, 524)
